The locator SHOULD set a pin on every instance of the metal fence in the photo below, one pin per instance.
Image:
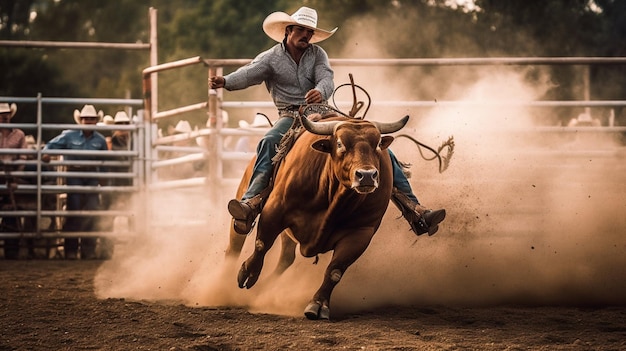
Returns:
(154, 156)
(216, 155)
(34, 196)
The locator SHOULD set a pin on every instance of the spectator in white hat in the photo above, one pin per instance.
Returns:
(76, 139)
(10, 138)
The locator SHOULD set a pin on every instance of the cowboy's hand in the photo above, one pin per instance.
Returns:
(313, 96)
(216, 82)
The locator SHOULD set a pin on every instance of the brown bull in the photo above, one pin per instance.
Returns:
(330, 193)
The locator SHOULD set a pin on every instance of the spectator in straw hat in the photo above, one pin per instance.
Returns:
(121, 138)
(88, 140)
(296, 72)
(246, 143)
(120, 141)
(10, 138)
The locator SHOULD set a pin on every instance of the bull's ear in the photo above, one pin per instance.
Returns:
(385, 141)
(322, 145)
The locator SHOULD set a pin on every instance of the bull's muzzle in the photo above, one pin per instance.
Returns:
(365, 181)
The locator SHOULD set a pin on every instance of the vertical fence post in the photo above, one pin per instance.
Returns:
(39, 169)
(212, 110)
(154, 86)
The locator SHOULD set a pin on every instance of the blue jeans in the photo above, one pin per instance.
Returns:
(266, 150)
(81, 202)
(400, 180)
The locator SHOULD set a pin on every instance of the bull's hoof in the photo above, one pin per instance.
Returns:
(315, 310)
(245, 278)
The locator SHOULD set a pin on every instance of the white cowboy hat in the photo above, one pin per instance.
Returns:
(10, 109)
(87, 111)
(106, 121)
(275, 24)
(182, 127)
(121, 117)
(260, 121)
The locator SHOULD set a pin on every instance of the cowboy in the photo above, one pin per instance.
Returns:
(120, 140)
(86, 139)
(297, 72)
(10, 138)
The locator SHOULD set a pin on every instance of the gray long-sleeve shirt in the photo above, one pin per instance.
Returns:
(286, 81)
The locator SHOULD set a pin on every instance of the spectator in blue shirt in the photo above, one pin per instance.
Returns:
(80, 140)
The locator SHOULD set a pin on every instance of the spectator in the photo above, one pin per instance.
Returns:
(180, 149)
(106, 121)
(247, 143)
(10, 138)
(584, 120)
(120, 141)
(121, 138)
(89, 140)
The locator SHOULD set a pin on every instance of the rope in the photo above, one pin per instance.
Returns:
(444, 161)
(356, 106)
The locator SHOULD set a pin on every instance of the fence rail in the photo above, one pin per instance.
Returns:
(153, 155)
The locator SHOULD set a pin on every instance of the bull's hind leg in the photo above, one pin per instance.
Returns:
(235, 244)
(287, 254)
(346, 252)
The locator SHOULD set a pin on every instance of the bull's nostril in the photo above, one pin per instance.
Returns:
(359, 175)
(366, 175)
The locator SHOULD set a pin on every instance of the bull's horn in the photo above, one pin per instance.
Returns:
(328, 128)
(319, 128)
(391, 127)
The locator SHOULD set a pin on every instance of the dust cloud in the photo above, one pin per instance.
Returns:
(534, 218)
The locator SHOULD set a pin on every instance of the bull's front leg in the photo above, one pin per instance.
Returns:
(347, 250)
(250, 270)
(319, 306)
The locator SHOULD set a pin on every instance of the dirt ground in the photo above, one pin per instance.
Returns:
(51, 305)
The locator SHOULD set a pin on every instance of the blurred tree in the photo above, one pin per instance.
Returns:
(562, 28)
(14, 18)
(232, 29)
(95, 72)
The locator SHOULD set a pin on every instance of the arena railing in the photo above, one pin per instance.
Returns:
(27, 193)
(213, 149)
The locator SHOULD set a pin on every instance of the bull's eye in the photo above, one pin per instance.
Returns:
(339, 144)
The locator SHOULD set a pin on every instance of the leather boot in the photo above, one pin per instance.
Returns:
(420, 219)
(244, 213)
